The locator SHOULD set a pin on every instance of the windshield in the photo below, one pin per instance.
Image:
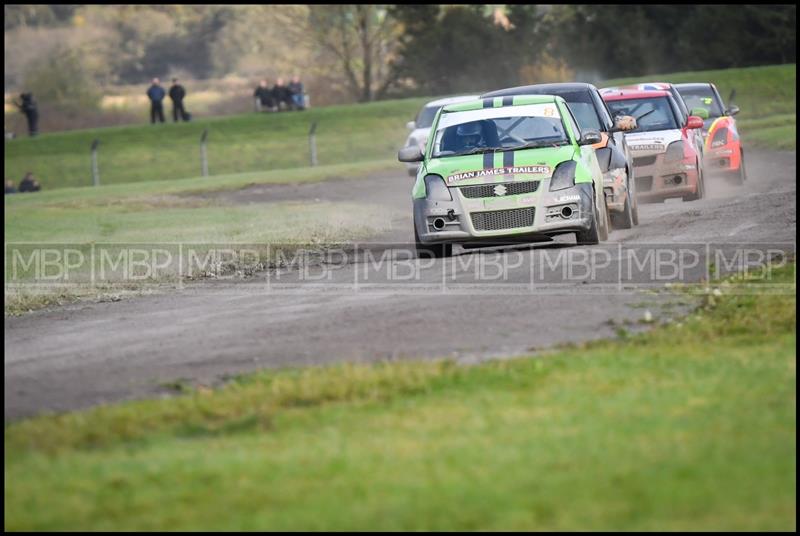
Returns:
(659, 113)
(701, 98)
(582, 106)
(499, 129)
(425, 116)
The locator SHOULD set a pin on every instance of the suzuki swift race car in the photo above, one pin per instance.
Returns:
(506, 170)
(695, 136)
(586, 104)
(723, 149)
(666, 161)
(421, 126)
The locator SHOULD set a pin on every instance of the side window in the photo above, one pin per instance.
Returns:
(572, 124)
(605, 114)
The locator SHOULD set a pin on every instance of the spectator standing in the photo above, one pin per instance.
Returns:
(282, 95)
(29, 184)
(28, 107)
(264, 98)
(10, 189)
(176, 94)
(298, 97)
(156, 95)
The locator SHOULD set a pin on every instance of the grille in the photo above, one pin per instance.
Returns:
(487, 190)
(644, 160)
(502, 219)
(644, 184)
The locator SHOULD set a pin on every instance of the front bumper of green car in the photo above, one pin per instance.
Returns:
(486, 213)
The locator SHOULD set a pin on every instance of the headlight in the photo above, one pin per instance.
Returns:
(720, 138)
(563, 176)
(437, 189)
(674, 152)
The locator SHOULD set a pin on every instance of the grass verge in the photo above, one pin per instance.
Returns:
(236, 144)
(688, 427)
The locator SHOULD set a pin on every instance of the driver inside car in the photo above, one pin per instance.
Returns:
(471, 136)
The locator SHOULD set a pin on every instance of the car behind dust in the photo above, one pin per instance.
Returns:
(506, 170)
(723, 150)
(666, 161)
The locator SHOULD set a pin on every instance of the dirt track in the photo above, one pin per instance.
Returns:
(86, 354)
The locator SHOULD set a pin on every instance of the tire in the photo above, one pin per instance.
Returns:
(436, 251)
(632, 198)
(594, 234)
(623, 220)
(701, 186)
(606, 219)
(741, 177)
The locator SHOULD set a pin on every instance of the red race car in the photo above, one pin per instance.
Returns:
(666, 159)
(723, 148)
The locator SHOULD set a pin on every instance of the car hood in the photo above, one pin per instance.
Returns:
(647, 143)
(522, 165)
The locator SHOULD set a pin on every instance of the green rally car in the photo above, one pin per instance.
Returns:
(506, 170)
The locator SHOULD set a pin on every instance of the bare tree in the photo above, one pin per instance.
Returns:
(361, 39)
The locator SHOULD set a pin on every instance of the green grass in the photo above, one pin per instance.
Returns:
(765, 95)
(345, 134)
(236, 144)
(689, 427)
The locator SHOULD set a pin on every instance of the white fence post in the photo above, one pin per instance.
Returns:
(95, 170)
(312, 143)
(204, 153)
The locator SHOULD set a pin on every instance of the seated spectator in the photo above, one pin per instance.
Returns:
(10, 189)
(298, 97)
(282, 95)
(29, 184)
(264, 97)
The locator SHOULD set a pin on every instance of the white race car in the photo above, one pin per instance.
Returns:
(422, 125)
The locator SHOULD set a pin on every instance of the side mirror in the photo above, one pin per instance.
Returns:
(590, 137)
(411, 125)
(694, 122)
(624, 123)
(732, 110)
(700, 112)
(410, 154)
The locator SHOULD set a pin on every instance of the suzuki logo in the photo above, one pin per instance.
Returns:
(500, 190)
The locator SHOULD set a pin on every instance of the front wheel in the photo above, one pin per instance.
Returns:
(701, 186)
(436, 251)
(596, 232)
(624, 220)
(742, 175)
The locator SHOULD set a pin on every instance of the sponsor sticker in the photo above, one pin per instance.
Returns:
(496, 172)
(648, 147)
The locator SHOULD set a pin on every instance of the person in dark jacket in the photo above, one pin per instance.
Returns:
(28, 107)
(156, 95)
(296, 89)
(264, 99)
(176, 95)
(29, 184)
(282, 95)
